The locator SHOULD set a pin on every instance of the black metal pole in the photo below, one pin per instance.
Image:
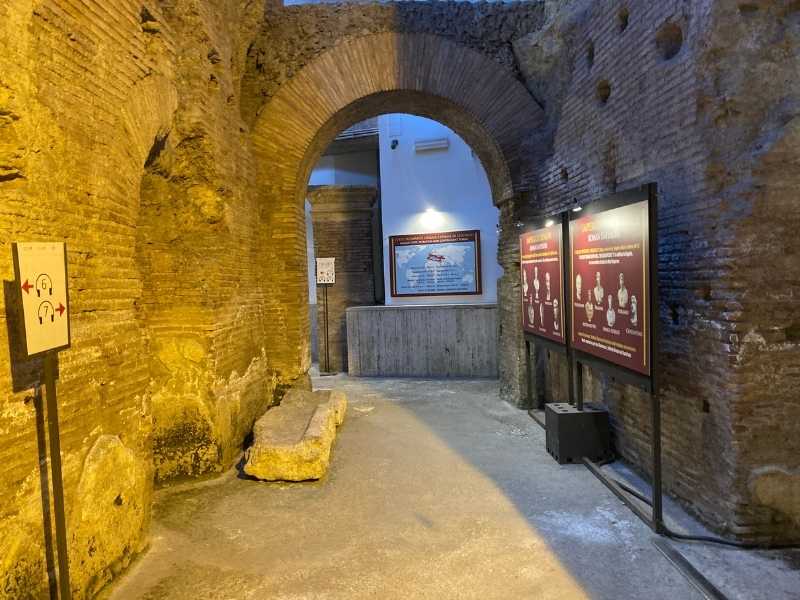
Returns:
(528, 374)
(327, 345)
(578, 384)
(44, 480)
(568, 305)
(658, 515)
(655, 395)
(58, 482)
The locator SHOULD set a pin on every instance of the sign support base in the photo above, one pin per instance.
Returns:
(327, 372)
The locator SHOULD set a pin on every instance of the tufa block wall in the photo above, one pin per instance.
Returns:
(197, 249)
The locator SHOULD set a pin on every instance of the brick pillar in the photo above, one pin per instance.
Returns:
(342, 219)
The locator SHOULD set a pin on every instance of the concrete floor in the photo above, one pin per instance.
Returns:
(437, 490)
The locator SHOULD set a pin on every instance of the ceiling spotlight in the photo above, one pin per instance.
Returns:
(549, 223)
(577, 209)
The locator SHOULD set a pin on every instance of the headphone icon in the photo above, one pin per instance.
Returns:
(46, 308)
(43, 282)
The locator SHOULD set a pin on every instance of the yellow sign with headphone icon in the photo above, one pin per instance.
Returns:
(41, 273)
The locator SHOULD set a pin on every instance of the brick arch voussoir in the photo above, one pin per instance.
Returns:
(292, 124)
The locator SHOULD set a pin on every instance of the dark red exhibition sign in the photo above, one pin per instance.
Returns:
(609, 273)
(542, 271)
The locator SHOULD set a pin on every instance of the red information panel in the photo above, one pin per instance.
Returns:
(609, 270)
(542, 297)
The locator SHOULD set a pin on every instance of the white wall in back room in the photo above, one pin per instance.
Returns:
(450, 180)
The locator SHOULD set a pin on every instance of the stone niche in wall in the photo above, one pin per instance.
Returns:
(342, 217)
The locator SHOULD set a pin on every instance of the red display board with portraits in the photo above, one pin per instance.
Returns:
(542, 264)
(610, 280)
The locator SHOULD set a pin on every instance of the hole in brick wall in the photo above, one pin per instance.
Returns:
(158, 147)
(145, 16)
(792, 333)
(603, 91)
(564, 174)
(623, 16)
(673, 311)
(747, 8)
(148, 22)
(706, 406)
(590, 54)
(669, 40)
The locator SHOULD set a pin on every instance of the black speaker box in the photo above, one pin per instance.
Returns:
(572, 434)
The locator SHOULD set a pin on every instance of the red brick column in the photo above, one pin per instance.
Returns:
(342, 219)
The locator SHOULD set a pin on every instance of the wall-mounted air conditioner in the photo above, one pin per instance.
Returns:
(431, 145)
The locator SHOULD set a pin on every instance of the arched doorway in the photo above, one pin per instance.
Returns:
(359, 79)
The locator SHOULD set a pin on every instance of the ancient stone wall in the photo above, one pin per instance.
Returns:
(83, 94)
(120, 133)
(125, 133)
(293, 36)
(700, 98)
(198, 252)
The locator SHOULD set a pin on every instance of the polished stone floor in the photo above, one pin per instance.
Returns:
(437, 490)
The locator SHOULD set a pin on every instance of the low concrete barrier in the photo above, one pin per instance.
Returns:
(450, 340)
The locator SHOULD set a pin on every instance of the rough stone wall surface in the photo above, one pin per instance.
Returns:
(120, 133)
(703, 101)
(198, 251)
(342, 218)
(293, 36)
(82, 95)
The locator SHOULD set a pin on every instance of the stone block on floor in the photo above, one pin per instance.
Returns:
(293, 441)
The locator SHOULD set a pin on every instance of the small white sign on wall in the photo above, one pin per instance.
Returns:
(326, 271)
(41, 273)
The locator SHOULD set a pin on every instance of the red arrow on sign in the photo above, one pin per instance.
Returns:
(27, 287)
(61, 308)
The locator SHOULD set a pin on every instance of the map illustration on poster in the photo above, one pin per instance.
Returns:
(609, 262)
(541, 268)
(436, 264)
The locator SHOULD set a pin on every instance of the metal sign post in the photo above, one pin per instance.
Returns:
(326, 277)
(43, 294)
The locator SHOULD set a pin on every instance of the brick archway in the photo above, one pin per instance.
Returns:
(360, 78)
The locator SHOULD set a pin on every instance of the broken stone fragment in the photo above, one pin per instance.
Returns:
(293, 441)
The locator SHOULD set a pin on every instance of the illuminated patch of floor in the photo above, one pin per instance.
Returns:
(437, 490)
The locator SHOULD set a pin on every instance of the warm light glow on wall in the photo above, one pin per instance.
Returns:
(432, 219)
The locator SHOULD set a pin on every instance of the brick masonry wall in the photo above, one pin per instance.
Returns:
(342, 218)
(293, 36)
(119, 133)
(83, 93)
(707, 117)
(198, 252)
(456, 85)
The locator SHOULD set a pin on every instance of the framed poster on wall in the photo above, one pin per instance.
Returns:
(435, 264)
(610, 280)
(541, 272)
